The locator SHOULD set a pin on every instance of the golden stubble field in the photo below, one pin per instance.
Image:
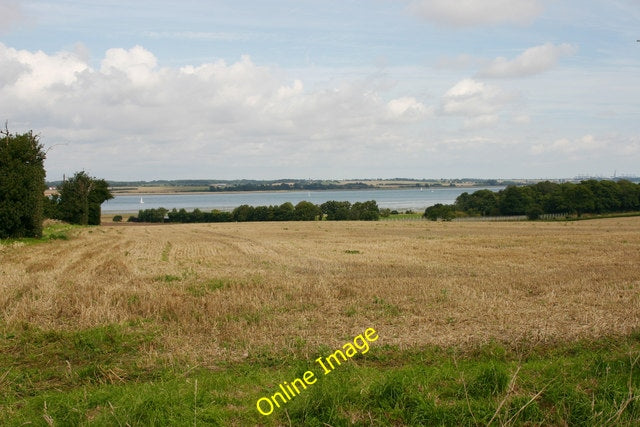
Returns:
(224, 291)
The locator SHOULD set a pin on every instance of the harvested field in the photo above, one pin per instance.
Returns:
(219, 292)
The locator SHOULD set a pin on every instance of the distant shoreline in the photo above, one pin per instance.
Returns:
(142, 191)
(247, 186)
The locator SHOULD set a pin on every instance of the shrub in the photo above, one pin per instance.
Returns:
(117, 218)
(444, 212)
(306, 211)
(81, 197)
(534, 212)
(21, 185)
(365, 211)
(336, 211)
(152, 215)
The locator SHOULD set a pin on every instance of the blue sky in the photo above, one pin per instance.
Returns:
(325, 89)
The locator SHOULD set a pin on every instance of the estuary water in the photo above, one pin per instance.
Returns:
(401, 199)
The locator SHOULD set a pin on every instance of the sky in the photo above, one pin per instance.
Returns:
(310, 89)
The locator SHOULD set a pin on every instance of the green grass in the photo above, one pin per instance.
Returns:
(165, 252)
(210, 286)
(49, 233)
(109, 376)
(167, 278)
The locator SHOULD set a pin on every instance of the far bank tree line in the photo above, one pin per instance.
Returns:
(587, 197)
(286, 186)
(23, 205)
(303, 211)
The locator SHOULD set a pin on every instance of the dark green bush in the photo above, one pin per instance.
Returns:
(21, 185)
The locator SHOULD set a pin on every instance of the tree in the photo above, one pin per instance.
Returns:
(515, 200)
(336, 211)
(263, 213)
(534, 212)
(219, 216)
(591, 196)
(556, 202)
(178, 215)
(196, 215)
(52, 206)
(444, 212)
(606, 195)
(243, 213)
(365, 211)
(97, 196)
(544, 188)
(629, 195)
(463, 202)
(580, 199)
(21, 185)
(483, 202)
(306, 211)
(81, 198)
(151, 215)
(284, 212)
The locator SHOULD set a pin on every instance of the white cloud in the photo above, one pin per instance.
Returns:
(472, 13)
(11, 68)
(130, 114)
(534, 60)
(478, 102)
(407, 108)
(137, 64)
(481, 121)
(29, 73)
(10, 14)
(585, 144)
